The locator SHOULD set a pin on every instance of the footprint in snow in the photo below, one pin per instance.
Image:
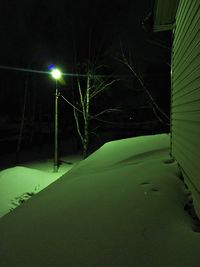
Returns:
(145, 183)
(153, 189)
(168, 161)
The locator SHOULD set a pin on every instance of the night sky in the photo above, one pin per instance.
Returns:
(38, 32)
(35, 34)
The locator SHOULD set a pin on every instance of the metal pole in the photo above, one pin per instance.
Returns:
(56, 131)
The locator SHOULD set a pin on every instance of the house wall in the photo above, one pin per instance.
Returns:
(164, 14)
(185, 100)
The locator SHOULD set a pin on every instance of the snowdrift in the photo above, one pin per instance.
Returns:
(123, 206)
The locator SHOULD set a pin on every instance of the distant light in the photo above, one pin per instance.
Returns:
(56, 73)
(51, 67)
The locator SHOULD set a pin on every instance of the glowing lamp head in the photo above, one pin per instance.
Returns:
(56, 74)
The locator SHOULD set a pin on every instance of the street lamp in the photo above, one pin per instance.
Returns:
(56, 74)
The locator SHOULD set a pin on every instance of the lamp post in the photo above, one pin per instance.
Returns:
(56, 74)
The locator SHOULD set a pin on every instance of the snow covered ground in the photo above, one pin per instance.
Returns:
(123, 206)
(19, 183)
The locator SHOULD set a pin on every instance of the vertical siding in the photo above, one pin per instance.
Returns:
(185, 105)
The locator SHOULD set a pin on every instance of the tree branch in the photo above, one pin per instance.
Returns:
(103, 88)
(153, 102)
(105, 111)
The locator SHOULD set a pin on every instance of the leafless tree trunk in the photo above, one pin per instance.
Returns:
(85, 105)
(19, 141)
(82, 113)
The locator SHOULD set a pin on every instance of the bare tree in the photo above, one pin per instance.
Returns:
(127, 61)
(89, 87)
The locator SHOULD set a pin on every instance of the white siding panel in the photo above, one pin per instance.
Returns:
(182, 64)
(191, 169)
(194, 82)
(187, 107)
(186, 116)
(187, 19)
(185, 96)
